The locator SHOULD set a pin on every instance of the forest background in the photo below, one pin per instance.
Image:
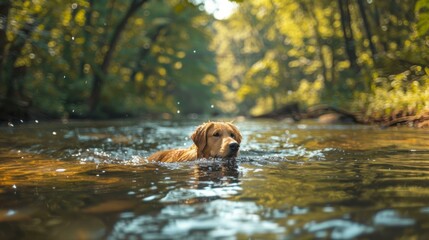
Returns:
(104, 59)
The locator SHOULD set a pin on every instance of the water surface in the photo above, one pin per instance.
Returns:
(89, 180)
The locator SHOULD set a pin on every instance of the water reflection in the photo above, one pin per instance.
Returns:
(338, 229)
(307, 181)
(215, 219)
(210, 179)
(390, 217)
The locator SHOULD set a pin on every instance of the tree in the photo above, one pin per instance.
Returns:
(4, 15)
(10, 70)
(101, 71)
(348, 33)
(50, 57)
(367, 28)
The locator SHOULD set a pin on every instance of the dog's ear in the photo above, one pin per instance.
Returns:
(237, 133)
(200, 138)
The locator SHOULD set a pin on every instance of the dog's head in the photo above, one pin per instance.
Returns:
(217, 139)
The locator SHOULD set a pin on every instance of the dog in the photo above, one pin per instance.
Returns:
(211, 140)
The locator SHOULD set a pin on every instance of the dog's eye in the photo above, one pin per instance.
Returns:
(232, 135)
(216, 135)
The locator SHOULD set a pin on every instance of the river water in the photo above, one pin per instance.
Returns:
(89, 180)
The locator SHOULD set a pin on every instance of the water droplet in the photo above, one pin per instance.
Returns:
(54, 133)
(10, 212)
(10, 124)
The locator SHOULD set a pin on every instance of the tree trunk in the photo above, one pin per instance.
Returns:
(99, 74)
(68, 43)
(145, 51)
(348, 34)
(379, 31)
(4, 14)
(14, 52)
(318, 38)
(87, 36)
(333, 68)
(367, 29)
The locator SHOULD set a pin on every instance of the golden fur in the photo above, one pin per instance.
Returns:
(211, 140)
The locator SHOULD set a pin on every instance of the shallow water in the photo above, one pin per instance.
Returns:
(89, 180)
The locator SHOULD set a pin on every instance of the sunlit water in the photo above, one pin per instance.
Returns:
(89, 180)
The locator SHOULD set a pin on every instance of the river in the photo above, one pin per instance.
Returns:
(90, 180)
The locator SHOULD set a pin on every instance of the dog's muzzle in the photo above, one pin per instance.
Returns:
(233, 148)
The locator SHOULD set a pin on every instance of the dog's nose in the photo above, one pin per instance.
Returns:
(234, 146)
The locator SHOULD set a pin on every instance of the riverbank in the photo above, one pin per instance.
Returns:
(18, 112)
(332, 115)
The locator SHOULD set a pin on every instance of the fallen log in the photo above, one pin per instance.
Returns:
(324, 113)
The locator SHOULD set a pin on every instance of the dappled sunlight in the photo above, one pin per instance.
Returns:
(29, 169)
(216, 219)
(85, 59)
(290, 180)
(331, 99)
(326, 52)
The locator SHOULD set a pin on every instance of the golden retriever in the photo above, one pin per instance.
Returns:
(211, 140)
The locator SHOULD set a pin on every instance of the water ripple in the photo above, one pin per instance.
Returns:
(390, 217)
(187, 194)
(216, 219)
(338, 228)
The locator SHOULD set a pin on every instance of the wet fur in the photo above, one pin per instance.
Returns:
(211, 140)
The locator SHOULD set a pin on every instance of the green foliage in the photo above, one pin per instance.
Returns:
(171, 56)
(400, 88)
(422, 9)
(162, 57)
(399, 95)
(284, 51)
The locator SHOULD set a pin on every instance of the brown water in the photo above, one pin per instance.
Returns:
(89, 180)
